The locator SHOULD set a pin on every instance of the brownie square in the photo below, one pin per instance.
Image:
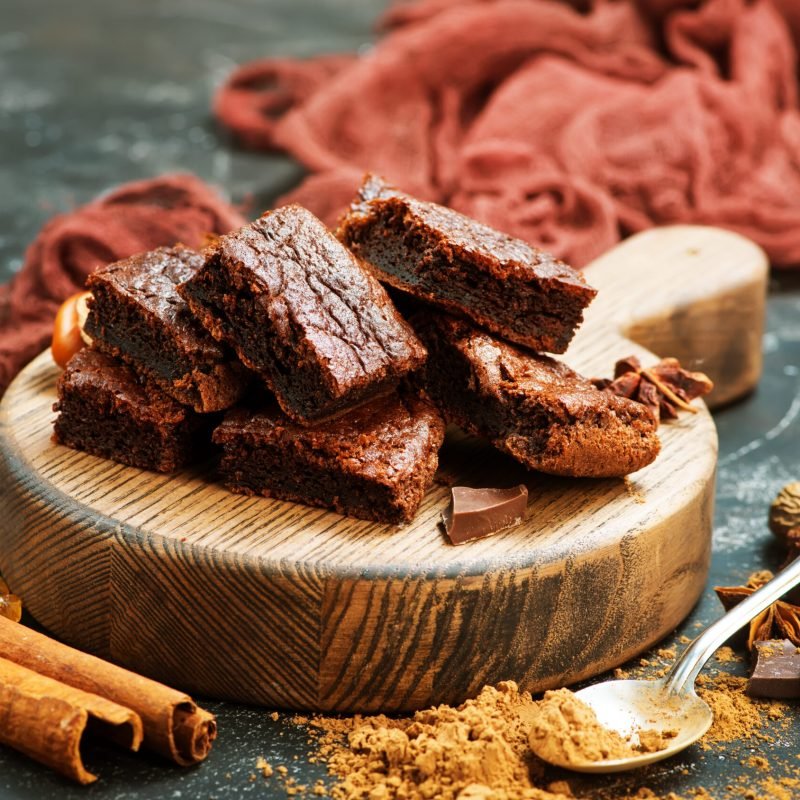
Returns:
(106, 410)
(375, 463)
(301, 312)
(136, 314)
(436, 254)
(533, 407)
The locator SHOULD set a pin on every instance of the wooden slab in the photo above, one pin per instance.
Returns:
(288, 606)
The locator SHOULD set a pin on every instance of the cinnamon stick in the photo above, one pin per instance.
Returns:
(46, 719)
(173, 724)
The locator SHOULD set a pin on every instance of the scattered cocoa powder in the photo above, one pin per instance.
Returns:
(651, 741)
(736, 716)
(772, 789)
(757, 761)
(634, 492)
(477, 751)
(726, 655)
(263, 767)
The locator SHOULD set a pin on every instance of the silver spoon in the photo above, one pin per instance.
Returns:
(671, 704)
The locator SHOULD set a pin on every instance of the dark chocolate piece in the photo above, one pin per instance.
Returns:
(776, 672)
(137, 315)
(532, 407)
(376, 462)
(436, 254)
(300, 310)
(475, 513)
(106, 410)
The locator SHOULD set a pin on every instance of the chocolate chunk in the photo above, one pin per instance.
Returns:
(777, 670)
(475, 513)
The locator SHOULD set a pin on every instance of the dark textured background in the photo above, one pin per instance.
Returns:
(96, 92)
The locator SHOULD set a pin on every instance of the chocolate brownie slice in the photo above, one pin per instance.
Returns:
(436, 254)
(533, 407)
(136, 314)
(299, 310)
(106, 410)
(375, 462)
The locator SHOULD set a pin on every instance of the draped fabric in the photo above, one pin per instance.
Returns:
(570, 125)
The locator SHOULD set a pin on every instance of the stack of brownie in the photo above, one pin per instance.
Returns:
(148, 390)
(333, 398)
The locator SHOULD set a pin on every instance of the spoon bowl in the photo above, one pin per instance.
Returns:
(630, 706)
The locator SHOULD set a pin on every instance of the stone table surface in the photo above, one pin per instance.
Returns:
(94, 93)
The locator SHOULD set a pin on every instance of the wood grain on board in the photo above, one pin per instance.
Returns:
(289, 606)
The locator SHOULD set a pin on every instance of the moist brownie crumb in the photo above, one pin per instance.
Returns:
(301, 311)
(375, 462)
(533, 407)
(137, 315)
(106, 410)
(436, 254)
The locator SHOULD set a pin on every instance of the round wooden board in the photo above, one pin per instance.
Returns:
(279, 604)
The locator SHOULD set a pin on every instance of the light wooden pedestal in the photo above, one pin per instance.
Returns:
(288, 606)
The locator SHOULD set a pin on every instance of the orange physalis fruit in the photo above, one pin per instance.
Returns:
(10, 604)
(68, 335)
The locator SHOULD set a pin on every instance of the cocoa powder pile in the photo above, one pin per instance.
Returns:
(477, 751)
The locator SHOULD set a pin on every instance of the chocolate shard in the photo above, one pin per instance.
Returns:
(776, 672)
(475, 513)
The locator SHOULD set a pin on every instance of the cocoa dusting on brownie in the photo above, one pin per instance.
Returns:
(375, 462)
(532, 407)
(300, 311)
(436, 254)
(104, 409)
(137, 315)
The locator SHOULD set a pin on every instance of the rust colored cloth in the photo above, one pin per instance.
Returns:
(567, 124)
(137, 216)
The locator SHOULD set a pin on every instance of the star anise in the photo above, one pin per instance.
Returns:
(663, 388)
(780, 621)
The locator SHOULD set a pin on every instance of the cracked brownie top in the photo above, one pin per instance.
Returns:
(301, 311)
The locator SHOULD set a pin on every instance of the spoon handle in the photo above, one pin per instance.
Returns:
(683, 673)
